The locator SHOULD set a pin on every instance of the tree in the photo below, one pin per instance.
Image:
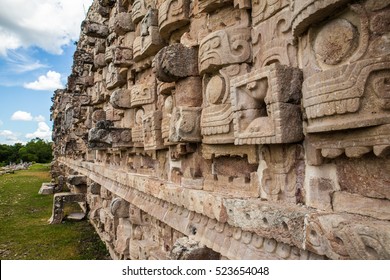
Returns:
(36, 150)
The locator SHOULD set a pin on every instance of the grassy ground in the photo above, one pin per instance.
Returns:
(24, 231)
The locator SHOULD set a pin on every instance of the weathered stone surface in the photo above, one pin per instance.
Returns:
(59, 200)
(217, 114)
(347, 237)
(122, 23)
(357, 204)
(319, 193)
(77, 180)
(95, 29)
(283, 177)
(265, 106)
(47, 188)
(173, 15)
(368, 178)
(176, 61)
(223, 48)
(119, 208)
(235, 129)
(121, 98)
(308, 12)
(187, 249)
(284, 223)
(188, 92)
(185, 124)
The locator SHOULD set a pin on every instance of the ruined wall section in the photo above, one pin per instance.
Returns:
(231, 129)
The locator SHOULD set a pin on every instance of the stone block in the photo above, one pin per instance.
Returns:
(151, 124)
(94, 29)
(266, 47)
(271, 220)
(224, 47)
(122, 23)
(119, 208)
(188, 92)
(217, 113)
(173, 15)
(368, 177)
(343, 236)
(46, 188)
(175, 62)
(265, 106)
(357, 204)
(185, 124)
(319, 193)
(120, 98)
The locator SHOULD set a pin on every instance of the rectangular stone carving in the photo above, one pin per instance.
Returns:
(166, 119)
(264, 9)
(266, 106)
(139, 9)
(122, 56)
(121, 137)
(115, 77)
(354, 144)
(224, 47)
(172, 15)
(217, 113)
(280, 222)
(268, 48)
(137, 132)
(120, 98)
(344, 236)
(152, 131)
(185, 124)
(346, 87)
(283, 177)
(145, 46)
(144, 92)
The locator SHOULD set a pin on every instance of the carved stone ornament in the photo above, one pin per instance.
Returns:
(224, 47)
(266, 106)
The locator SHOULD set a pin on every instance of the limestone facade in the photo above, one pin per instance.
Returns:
(231, 129)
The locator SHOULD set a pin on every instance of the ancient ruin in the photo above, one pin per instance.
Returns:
(230, 129)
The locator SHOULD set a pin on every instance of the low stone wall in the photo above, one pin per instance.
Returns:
(241, 129)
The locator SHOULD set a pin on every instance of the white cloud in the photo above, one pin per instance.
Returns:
(10, 137)
(50, 81)
(47, 24)
(21, 116)
(39, 118)
(43, 131)
(6, 133)
(20, 62)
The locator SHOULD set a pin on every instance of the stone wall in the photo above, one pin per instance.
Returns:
(231, 129)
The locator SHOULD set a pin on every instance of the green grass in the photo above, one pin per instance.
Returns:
(24, 231)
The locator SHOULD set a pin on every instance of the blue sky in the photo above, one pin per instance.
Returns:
(36, 49)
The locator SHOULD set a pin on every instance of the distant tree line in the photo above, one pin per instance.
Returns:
(36, 150)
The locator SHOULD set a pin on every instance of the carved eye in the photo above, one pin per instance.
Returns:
(215, 43)
(145, 91)
(335, 42)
